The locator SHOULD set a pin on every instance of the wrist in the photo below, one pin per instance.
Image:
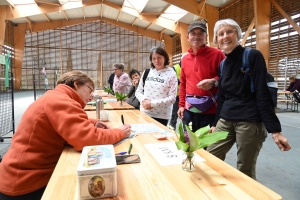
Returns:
(216, 82)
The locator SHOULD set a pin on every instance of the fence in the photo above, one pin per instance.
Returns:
(7, 118)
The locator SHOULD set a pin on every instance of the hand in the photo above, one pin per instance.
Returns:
(281, 141)
(180, 112)
(126, 129)
(135, 82)
(146, 104)
(100, 124)
(212, 129)
(206, 84)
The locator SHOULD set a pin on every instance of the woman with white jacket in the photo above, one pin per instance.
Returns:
(158, 93)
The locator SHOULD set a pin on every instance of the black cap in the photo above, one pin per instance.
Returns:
(197, 24)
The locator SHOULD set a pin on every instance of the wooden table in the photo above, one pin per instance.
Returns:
(213, 179)
(102, 93)
(288, 99)
(111, 106)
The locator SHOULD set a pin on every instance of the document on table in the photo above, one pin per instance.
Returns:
(166, 153)
(146, 128)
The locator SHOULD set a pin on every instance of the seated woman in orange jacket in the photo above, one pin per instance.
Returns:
(47, 125)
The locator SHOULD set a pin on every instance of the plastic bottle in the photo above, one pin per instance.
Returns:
(99, 107)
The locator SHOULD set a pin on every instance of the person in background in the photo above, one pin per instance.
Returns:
(159, 92)
(199, 76)
(294, 85)
(242, 113)
(122, 81)
(174, 117)
(135, 77)
(273, 88)
(54, 119)
(111, 80)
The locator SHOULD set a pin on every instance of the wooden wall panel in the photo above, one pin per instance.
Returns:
(2, 24)
(262, 25)
(19, 37)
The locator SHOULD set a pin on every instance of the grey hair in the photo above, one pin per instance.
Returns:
(119, 66)
(230, 22)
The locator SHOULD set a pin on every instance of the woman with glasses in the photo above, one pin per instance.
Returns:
(122, 81)
(47, 125)
(246, 115)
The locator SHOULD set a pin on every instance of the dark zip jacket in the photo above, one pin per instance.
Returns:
(236, 102)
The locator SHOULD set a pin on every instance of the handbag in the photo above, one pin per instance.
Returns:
(200, 104)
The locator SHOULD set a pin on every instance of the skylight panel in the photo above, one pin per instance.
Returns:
(174, 13)
(21, 2)
(137, 5)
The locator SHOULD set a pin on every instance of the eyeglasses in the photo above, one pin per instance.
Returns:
(116, 69)
(92, 91)
(228, 33)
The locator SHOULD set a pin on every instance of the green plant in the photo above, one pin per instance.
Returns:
(121, 97)
(190, 141)
(109, 90)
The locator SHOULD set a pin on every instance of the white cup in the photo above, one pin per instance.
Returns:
(104, 115)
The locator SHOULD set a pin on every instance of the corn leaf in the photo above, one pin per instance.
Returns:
(202, 131)
(209, 139)
(182, 146)
(194, 140)
(181, 132)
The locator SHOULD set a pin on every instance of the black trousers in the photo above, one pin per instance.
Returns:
(35, 195)
(162, 121)
(174, 117)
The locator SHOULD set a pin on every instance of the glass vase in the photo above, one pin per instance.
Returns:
(188, 161)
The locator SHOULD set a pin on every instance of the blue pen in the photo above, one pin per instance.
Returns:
(121, 153)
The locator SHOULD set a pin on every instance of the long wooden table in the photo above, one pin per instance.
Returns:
(288, 99)
(111, 106)
(213, 179)
(102, 93)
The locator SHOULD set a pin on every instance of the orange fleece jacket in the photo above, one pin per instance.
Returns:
(54, 119)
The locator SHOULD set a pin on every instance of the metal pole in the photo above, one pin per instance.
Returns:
(13, 104)
(34, 92)
(285, 72)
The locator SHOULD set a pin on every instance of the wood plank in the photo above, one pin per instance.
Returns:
(213, 179)
(111, 106)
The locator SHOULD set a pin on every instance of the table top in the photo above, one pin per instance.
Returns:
(284, 92)
(111, 106)
(102, 93)
(213, 179)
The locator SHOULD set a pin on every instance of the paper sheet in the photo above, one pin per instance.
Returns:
(145, 128)
(166, 153)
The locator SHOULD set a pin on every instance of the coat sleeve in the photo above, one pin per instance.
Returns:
(262, 93)
(71, 122)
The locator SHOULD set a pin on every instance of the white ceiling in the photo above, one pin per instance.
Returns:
(116, 10)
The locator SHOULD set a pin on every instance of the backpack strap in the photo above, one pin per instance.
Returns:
(221, 69)
(246, 68)
(145, 75)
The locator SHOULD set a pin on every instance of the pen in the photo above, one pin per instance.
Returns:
(122, 119)
(129, 150)
(121, 153)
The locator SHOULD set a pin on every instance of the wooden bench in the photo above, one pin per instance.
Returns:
(294, 105)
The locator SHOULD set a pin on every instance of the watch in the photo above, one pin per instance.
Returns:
(216, 82)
